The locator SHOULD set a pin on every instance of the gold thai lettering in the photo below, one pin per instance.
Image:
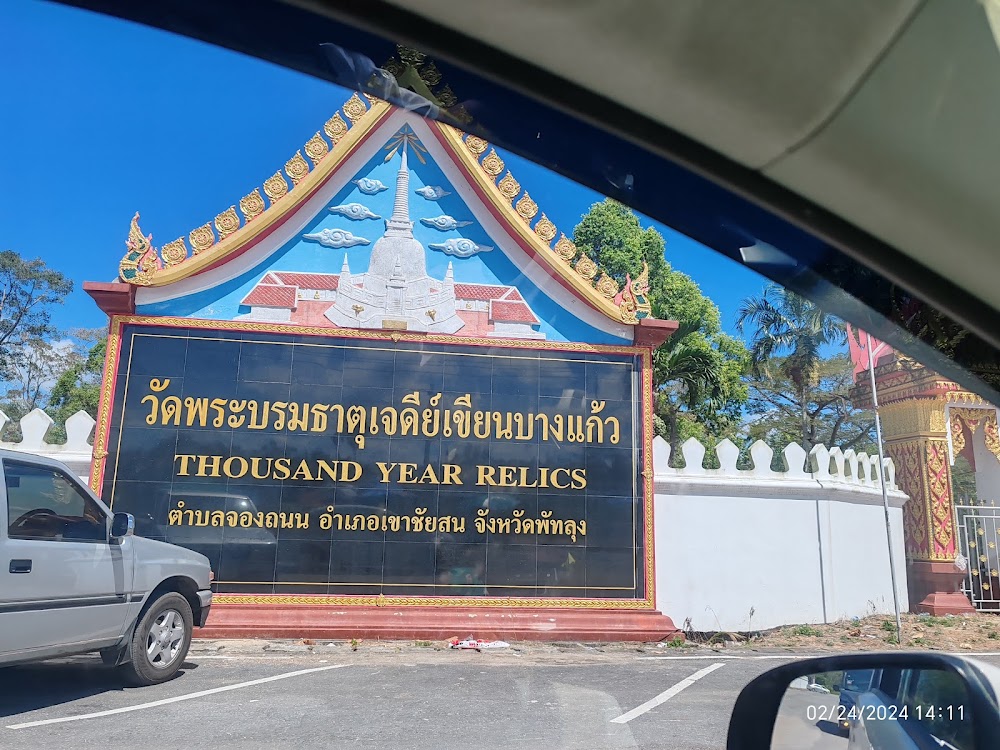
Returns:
(432, 420)
(197, 411)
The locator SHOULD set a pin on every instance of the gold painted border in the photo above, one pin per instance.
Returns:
(543, 250)
(118, 322)
(281, 208)
(429, 601)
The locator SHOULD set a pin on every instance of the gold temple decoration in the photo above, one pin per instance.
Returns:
(174, 252)
(296, 168)
(252, 205)
(336, 128)
(354, 108)
(509, 187)
(275, 187)
(227, 222)
(586, 267)
(316, 148)
(526, 207)
(493, 164)
(476, 145)
(607, 286)
(565, 248)
(545, 229)
(143, 265)
(140, 261)
(201, 238)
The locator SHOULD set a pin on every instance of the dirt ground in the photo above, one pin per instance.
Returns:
(976, 633)
(954, 634)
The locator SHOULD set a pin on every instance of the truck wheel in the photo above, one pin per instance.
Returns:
(160, 641)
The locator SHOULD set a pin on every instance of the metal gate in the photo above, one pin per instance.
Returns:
(978, 538)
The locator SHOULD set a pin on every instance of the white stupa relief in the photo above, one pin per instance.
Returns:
(396, 292)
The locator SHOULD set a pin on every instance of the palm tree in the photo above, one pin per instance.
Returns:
(689, 370)
(790, 330)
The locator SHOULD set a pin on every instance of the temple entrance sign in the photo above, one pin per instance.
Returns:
(388, 388)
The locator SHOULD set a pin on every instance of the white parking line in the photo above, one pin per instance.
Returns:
(666, 694)
(175, 699)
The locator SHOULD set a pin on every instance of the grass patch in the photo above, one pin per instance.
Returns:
(888, 626)
(805, 630)
(945, 621)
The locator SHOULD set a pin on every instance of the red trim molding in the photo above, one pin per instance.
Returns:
(114, 298)
(437, 623)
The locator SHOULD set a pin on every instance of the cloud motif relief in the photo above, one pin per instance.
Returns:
(432, 192)
(444, 222)
(368, 186)
(354, 212)
(336, 238)
(460, 248)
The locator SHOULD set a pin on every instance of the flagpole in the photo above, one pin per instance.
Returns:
(885, 492)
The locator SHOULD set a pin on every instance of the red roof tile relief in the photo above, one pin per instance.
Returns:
(512, 312)
(271, 295)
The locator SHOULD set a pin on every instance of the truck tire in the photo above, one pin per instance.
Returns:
(160, 641)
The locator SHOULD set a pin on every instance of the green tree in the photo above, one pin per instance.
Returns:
(28, 289)
(78, 388)
(787, 335)
(775, 411)
(697, 372)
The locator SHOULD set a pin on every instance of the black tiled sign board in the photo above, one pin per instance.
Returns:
(329, 465)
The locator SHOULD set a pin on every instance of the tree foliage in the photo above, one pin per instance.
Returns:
(697, 372)
(787, 336)
(79, 386)
(776, 409)
(28, 289)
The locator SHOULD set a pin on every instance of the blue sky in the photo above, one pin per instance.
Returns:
(104, 118)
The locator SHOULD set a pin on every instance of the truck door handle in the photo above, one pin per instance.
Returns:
(20, 566)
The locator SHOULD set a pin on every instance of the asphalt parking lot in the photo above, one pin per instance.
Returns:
(380, 697)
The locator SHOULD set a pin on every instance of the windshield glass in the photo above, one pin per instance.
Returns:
(381, 393)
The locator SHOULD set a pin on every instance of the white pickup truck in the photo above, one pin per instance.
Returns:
(74, 578)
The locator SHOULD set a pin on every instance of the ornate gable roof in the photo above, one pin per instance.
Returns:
(233, 231)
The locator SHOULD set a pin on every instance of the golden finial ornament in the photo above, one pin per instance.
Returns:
(545, 228)
(316, 148)
(607, 286)
(275, 187)
(336, 128)
(493, 164)
(201, 238)
(509, 187)
(354, 108)
(475, 144)
(174, 252)
(526, 207)
(252, 205)
(586, 267)
(296, 168)
(227, 222)
(565, 248)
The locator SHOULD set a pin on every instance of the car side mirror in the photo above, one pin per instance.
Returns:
(913, 700)
(122, 525)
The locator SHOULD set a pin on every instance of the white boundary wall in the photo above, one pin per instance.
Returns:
(794, 547)
(76, 452)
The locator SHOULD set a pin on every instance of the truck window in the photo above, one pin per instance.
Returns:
(44, 504)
